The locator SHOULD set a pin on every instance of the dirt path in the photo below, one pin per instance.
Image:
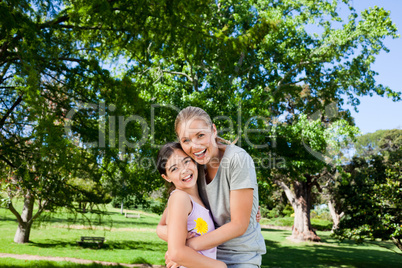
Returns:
(75, 260)
(276, 227)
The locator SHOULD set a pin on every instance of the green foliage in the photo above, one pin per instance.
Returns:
(89, 191)
(321, 214)
(247, 61)
(371, 200)
(288, 210)
(379, 142)
(158, 208)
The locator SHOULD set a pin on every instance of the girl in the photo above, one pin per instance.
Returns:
(185, 210)
(228, 187)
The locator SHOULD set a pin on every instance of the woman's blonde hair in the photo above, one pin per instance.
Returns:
(192, 113)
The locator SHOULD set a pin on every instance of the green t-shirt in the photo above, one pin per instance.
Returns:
(236, 171)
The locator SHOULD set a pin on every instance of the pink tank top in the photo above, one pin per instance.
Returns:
(200, 222)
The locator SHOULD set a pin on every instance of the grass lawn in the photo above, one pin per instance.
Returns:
(10, 262)
(318, 224)
(282, 252)
(130, 240)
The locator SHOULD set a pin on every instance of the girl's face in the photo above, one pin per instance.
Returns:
(181, 170)
(198, 140)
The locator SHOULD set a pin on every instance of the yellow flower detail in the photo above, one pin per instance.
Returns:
(201, 226)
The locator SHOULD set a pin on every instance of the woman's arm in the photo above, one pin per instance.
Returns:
(241, 203)
(179, 207)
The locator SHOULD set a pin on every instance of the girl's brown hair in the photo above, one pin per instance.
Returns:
(163, 156)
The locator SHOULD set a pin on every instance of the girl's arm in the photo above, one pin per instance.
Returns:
(179, 207)
(161, 230)
(241, 203)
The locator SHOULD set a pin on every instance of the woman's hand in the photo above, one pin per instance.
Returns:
(190, 235)
(191, 242)
(258, 216)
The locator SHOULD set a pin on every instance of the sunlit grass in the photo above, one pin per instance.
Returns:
(11, 262)
(130, 240)
(282, 252)
(317, 224)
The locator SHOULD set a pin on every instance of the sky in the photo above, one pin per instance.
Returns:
(377, 112)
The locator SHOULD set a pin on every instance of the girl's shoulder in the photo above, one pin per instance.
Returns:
(178, 194)
(179, 198)
(179, 206)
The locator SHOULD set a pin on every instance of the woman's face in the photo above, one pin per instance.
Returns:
(181, 170)
(198, 140)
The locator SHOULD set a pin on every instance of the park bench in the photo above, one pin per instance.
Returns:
(128, 215)
(91, 240)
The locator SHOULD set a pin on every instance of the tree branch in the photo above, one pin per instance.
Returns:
(291, 71)
(72, 59)
(40, 210)
(179, 73)
(3, 73)
(5, 159)
(55, 21)
(16, 103)
(15, 212)
(291, 197)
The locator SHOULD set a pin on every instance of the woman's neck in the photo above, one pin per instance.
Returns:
(213, 165)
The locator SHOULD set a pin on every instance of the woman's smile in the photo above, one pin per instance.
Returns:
(197, 139)
(200, 154)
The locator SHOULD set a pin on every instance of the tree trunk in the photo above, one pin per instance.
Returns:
(84, 207)
(397, 242)
(336, 218)
(301, 203)
(302, 229)
(25, 221)
(121, 207)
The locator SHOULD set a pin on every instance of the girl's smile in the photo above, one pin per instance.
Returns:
(181, 171)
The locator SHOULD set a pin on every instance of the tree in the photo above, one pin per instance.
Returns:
(309, 144)
(236, 59)
(369, 191)
(371, 200)
(54, 91)
(42, 170)
(379, 142)
(258, 60)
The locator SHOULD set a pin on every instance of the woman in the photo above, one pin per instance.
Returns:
(228, 186)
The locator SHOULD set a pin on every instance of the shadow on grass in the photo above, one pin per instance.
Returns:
(8, 219)
(51, 264)
(108, 245)
(128, 244)
(273, 230)
(319, 255)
